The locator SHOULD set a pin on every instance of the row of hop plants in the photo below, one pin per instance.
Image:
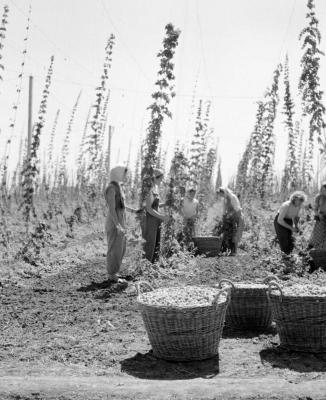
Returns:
(255, 175)
(189, 167)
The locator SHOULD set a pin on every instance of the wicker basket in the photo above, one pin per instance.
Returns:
(319, 258)
(210, 246)
(184, 334)
(249, 308)
(300, 320)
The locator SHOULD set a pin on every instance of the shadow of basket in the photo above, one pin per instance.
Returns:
(233, 333)
(280, 357)
(147, 366)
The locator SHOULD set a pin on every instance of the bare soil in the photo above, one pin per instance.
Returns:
(66, 333)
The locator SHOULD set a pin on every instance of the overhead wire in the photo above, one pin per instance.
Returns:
(53, 43)
(131, 55)
(287, 28)
(203, 49)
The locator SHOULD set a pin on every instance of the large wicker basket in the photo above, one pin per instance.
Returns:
(319, 258)
(184, 334)
(249, 308)
(210, 246)
(300, 320)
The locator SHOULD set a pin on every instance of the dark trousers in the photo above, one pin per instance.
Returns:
(284, 235)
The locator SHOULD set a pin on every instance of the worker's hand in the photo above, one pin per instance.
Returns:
(166, 218)
(296, 229)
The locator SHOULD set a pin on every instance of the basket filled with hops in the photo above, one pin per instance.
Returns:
(249, 308)
(300, 315)
(183, 323)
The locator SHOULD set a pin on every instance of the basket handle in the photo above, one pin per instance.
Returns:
(226, 290)
(274, 285)
(142, 283)
(224, 280)
(270, 279)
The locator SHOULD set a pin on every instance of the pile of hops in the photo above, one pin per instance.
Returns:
(182, 297)
(244, 285)
(302, 290)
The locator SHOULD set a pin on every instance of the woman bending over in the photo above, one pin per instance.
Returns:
(287, 219)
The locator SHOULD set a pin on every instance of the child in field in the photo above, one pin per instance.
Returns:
(189, 211)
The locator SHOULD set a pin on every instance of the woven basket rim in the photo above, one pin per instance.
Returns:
(296, 297)
(206, 237)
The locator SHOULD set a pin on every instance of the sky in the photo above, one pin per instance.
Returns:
(230, 47)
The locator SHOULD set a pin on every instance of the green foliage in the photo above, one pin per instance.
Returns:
(37, 240)
(5, 232)
(14, 109)
(159, 108)
(31, 170)
(171, 228)
(98, 120)
(255, 170)
(312, 96)
(3, 29)
(290, 180)
(81, 162)
(254, 152)
(206, 188)
(197, 148)
(268, 141)
(63, 175)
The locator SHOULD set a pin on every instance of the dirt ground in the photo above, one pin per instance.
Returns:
(67, 334)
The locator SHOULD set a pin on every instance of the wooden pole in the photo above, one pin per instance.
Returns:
(30, 116)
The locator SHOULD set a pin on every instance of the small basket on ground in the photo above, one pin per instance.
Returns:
(210, 246)
(300, 315)
(319, 258)
(183, 323)
(249, 308)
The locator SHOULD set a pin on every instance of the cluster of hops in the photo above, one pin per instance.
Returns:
(187, 296)
(244, 285)
(302, 290)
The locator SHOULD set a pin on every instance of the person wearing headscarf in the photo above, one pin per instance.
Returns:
(115, 224)
(232, 222)
(153, 219)
(287, 219)
(318, 236)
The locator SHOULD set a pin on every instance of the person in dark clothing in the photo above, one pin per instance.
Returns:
(153, 220)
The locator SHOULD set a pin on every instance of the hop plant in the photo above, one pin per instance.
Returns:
(159, 108)
(3, 29)
(309, 86)
(31, 170)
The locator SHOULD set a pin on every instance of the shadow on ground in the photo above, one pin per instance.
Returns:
(106, 284)
(146, 366)
(279, 357)
(232, 333)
